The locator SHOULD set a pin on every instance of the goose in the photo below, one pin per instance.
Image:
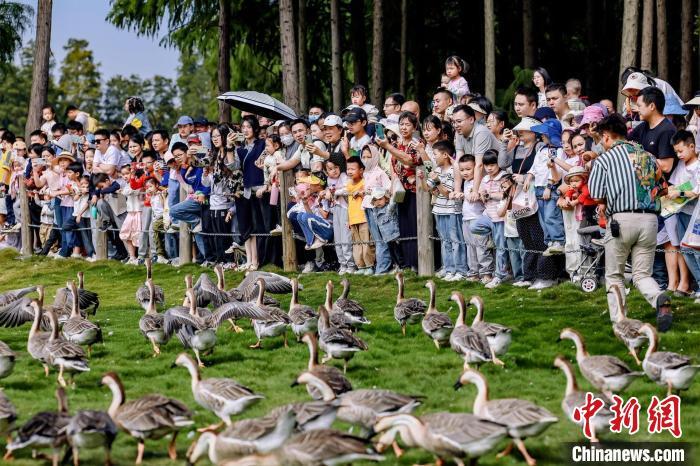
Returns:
(275, 325)
(245, 437)
(337, 343)
(66, 355)
(329, 374)
(151, 323)
(665, 368)
(335, 319)
(224, 297)
(455, 436)
(351, 308)
(78, 329)
(606, 373)
(574, 398)
(193, 329)
(437, 325)
(208, 292)
(91, 429)
(37, 340)
(223, 397)
(362, 408)
(44, 429)
(309, 415)
(521, 418)
(625, 329)
(7, 360)
(14, 307)
(304, 318)
(471, 345)
(499, 336)
(143, 294)
(88, 300)
(247, 289)
(8, 416)
(9, 297)
(315, 447)
(407, 310)
(150, 417)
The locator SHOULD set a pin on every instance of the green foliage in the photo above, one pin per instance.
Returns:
(160, 101)
(14, 19)
(409, 364)
(196, 88)
(158, 94)
(117, 89)
(79, 83)
(506, 97)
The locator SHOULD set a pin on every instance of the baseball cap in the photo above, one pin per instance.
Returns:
(526, 124)
(636, 81)
(200, 121)
(194, 138)
(356, 114)
(184, 120)
(332, 120)
(168, 157)
(593, 114)
(550, 128)
(545, 113)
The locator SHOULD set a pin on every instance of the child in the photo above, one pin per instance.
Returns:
(157, 198)
(273, 156)
(516, 252)
(48, 115)
(81, 219)
(492, 221)
(447, 212)
(358, 96)
(335, 193)
(46, 218)
(130, 232)
(478, 261)
(546, 176)
(685, 176)
(384, 230)
(455, 70)
(356, 122)
(355, 188)
(70, 171)
(572, 204)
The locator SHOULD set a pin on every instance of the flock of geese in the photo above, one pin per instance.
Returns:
(61, 337)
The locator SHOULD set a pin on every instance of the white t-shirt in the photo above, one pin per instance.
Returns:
(80, 204)
(111, 157)
(539, 170)
(684, 173)
(358, 144)
(470, 210)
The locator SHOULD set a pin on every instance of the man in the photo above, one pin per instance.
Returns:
(306, 152)
(556, 100)
(160, 142)
(473, 139)
(58, 130)
(38, 137)
(184, 126)
(525, 102)
(107, 157)
(392, 105)
(315, 112)
(201, 129)
(74, 113)
(626, 179)
(332, 134)
(655, 131)
(411, 106)
(442, 100)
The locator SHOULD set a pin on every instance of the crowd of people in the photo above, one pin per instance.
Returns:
(512, 203)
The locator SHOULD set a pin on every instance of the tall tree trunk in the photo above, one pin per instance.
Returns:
(290, 88)
(224, 67)
(628, 49)
(418, 52)
(489, 51)
(359, 47)
(336, 56)
(592, 35)
(303, 57)
(686, 87)
(647, 52)
(528, 46)
(40, 71)
(403, 71)
(378, 53)
(662, 40)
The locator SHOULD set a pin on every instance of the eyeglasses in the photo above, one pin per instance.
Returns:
(391, 105)
(97, 141)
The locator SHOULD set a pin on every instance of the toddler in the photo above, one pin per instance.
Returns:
(130, 232)
(157, 198)
(479, 260)
(355, 188)
(359, 96)
(455, 70)
(337, 196)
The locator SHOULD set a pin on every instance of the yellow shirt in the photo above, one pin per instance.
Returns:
(356, 214)
(5, 167)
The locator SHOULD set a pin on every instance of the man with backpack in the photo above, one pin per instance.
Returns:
(628, 180)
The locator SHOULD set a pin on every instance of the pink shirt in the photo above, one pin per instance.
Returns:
(492, 186)
(67, 199)
(376, 178)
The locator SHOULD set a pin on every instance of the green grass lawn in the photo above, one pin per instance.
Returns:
(408, 364)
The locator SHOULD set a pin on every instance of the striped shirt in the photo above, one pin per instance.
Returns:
(613, 179)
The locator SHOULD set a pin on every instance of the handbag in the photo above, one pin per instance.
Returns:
(398, 193)
(691, 238)
(524, 202)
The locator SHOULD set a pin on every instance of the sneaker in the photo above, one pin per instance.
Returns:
(309, 267)
(230, 266)
(58, 256)
(162, 260)
(132, 261)
(541, 285)
(522, 284)
(441, 273)
(554, 248)
(207, 264)
(318, 243)
(76, 255)
(369, 271)
(458, 277)
(486, 279)
(234, 246)
(91, 259)
(359, 271)
(277, 231)
(104, 227)
(342, 270)
(472, 278)
(493, 283)
(175, 262)
(351, 270)
(448, 277)
(664, 314)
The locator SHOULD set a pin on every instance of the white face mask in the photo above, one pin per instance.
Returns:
(287, 139)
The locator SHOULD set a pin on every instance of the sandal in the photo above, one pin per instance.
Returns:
(664, 314)
(682, 294)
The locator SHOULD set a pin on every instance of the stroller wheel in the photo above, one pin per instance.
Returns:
(589, 285)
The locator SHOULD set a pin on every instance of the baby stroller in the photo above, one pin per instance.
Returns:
(592, 253)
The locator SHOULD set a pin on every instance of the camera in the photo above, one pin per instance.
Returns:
(240, 138)
(200, 160)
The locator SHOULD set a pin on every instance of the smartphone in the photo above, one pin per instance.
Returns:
(309, 139)
(380, 130)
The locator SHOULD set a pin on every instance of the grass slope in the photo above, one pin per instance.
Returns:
(411, 364)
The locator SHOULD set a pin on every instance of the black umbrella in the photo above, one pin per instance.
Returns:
(259, 104)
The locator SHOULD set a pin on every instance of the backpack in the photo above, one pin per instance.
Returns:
(647, 177)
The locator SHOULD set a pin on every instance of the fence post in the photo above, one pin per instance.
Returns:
(101, 242)
(426, 258)
(26, 234)
(185, 237)
(289, 253)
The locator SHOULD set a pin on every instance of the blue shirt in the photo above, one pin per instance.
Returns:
(195, 179)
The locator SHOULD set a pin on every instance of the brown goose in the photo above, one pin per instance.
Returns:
(673, 370)
(437, 325)
(304, 318)
(337, 343)
(89, 301)
(407, 310)
(14, 307)
(471, 345)
(143, 294)
(335, 319)
(12, 296)
(274, 325)
(37, 340)
(151, 323)
(329, 374)
(193, 326)
(66, 355)
(91, 429)
(7, 360)
(78, 329)
(150, 417)
(625, 329)
(8, 416)
(499, 336)
(351, 308)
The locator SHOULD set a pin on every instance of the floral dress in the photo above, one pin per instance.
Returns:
(406, 174)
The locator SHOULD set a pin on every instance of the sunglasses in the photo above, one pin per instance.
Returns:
(97, 141)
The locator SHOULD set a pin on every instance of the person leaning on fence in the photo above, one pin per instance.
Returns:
(363, 251)
(312, 213)
(627, 179)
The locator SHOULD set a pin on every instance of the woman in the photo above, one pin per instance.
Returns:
(136, 144)
(434, 130)
(249, 208)
(137, 115)
(404, 160)
(496, 122)
(541, 79)
(225, 179)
